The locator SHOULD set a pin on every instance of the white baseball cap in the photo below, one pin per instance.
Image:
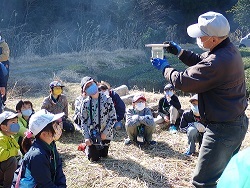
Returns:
(41, 119)
(209, 24)
(7, 115)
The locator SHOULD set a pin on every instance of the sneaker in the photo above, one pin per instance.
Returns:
(152, 142)
(172, 129)
(127, 142)
(188, 153)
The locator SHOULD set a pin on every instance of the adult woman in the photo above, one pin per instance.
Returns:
(42, 166)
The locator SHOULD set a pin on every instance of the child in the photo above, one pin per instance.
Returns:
(120, 107)
(57, 102)
(98, 118)
(8, 147)
(139, 122)
(42, 166)
(168, 108)
(24, 110)
(192, 125)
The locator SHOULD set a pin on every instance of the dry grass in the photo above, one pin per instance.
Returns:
(162, 165)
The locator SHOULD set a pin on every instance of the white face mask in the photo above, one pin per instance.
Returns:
(140, 106)
(200, 44)
(195, 110)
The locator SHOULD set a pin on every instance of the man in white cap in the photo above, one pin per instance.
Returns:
(218, 77)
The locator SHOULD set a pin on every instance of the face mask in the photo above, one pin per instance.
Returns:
(58, 131)
(14, 127)
(106, 92)
(200, 44)
(57, 91)
(169, 93)
(140, 106)
(91, 90)
(27, 112)
(195, 110)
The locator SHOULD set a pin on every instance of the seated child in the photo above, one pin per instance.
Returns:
(139, 122)
(57, 102)
(168, 108)
(192, 125)
(24, 110)
(9, 148)
(120, 107)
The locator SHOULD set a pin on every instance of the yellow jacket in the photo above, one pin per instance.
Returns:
(8, 147)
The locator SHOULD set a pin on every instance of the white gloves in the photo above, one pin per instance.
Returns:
(201, 128)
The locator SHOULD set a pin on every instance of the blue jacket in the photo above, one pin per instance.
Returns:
(120, 107)
(42, 167)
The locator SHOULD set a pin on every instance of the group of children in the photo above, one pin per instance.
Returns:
(98, 110)
(32, 135)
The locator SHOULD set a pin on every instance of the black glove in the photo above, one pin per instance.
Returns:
(173, 48)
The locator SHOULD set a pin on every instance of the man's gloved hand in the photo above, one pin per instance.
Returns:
(160, 64)
(173, 48)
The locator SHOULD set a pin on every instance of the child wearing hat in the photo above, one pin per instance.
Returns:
(42, 165)
(57, 102)
(8, 147)
(139, 117)
(98, 117)
(168, 108)
(192, 124)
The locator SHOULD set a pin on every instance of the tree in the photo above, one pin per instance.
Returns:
(242, 14)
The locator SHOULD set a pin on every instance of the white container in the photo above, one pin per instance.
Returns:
(157, 50)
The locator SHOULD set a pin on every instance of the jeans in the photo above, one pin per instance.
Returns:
(193, 137)
(220, 142)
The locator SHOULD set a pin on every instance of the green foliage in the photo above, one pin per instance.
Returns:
(242, 14)
(245, 52)
(142, 75)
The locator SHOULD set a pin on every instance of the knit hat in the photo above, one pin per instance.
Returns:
(209, 24)
(41, 119)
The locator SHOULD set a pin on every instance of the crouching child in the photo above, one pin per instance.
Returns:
(139, 122)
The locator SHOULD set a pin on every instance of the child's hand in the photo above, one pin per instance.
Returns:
(88, 142)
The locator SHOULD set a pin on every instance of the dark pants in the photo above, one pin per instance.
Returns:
(94, 154)
(7, 65)
(7, 169)
(220, 142)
